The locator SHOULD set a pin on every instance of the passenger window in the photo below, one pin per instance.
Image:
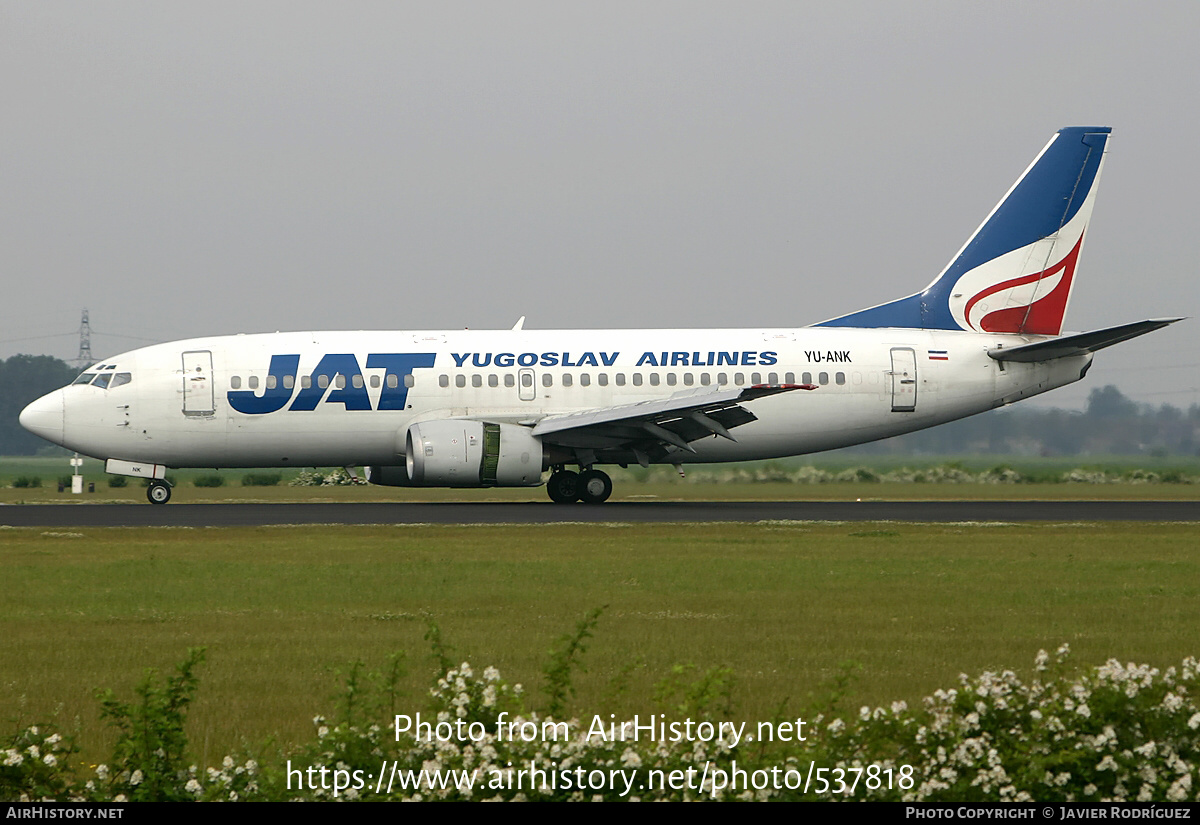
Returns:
(323, 381)
(756, 378)
(585, 380)
(271, 382)
(654, 379)
(526, 379)
(671, 379)
(547, 379)
(620, 379)
(443, 380)
(460, 380)
(789, 378)
(739, 378)
(410, 380)
(235, 382)
(392, 380)
(806, 378)
(567, 380)
(722, 378)
(773, 378)
(840, 378)
(823, 378)
(637, 379)
(509, 381)
(476, 380)
(374, 382)
(253, 382)
(493, 380)
(339, 381)
(119, 379)
(289, 382)
(357, 381)
(688, 379)
(602, 379)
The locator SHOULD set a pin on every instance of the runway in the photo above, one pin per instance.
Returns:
(256, 515)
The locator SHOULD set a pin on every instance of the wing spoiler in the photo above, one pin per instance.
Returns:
(1079, 343)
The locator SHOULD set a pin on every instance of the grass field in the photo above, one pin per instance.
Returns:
(747, 481)
(783, 605)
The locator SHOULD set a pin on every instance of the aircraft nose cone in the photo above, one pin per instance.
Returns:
(44, 417)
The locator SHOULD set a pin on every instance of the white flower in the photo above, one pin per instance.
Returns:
(137, 778)
(193, 787)
(50, 760)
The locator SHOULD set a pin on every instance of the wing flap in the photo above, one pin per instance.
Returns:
(649, 426)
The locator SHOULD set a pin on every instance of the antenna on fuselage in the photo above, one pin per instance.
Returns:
(84, 359)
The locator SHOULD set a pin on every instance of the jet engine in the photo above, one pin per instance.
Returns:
(465, 453)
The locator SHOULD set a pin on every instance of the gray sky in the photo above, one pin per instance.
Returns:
(186, 169)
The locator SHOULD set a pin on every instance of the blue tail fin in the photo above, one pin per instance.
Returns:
(1016, 272)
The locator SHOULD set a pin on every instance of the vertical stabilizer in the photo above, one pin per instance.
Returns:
(1016, 271)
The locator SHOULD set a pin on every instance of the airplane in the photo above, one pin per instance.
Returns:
(500, 408)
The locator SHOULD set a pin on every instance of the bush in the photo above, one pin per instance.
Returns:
(209, 481)
(261, 479)
(26, 481)
(118, 481)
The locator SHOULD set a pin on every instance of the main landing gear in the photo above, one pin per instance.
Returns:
(159, 492)
(589, 486)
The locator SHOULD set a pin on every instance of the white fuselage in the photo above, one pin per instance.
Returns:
(258, 400)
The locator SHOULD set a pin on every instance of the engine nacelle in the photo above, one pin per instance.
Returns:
(464, 453)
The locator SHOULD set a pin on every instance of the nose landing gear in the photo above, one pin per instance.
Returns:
(159, 492)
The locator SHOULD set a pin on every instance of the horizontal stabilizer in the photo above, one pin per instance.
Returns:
(1080, 343)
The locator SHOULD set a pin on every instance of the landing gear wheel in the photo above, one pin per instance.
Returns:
(159, 492)
(563, 487)
(594, 487)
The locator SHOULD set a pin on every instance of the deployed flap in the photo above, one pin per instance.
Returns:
(1080, 343)
(683, 417)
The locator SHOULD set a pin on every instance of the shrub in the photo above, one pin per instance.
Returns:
(209, 481)
(27, 481)
(118, 481)
(261, 479)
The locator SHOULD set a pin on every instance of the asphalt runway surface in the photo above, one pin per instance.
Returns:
(254, 515)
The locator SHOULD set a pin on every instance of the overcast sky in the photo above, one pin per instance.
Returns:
(185, 169)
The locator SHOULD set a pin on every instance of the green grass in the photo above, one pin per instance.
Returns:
(782, 604)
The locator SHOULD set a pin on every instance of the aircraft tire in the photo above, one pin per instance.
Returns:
(563, 487)
(159, 492)
(594, 487)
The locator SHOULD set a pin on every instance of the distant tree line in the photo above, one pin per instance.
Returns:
(24, 378)
(1111, 425)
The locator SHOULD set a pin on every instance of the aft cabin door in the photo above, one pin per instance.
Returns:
(904, 379)
(197, 383)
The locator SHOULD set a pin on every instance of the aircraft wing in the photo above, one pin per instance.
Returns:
(1080, 343)
(647, 428)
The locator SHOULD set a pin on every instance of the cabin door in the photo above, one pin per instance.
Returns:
(197, 383)
(904, 379)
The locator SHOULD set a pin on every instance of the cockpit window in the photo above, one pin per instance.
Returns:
(120, 378)
(86, 378)
(102, 380)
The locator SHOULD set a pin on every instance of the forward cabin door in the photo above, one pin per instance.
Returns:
(904, 379)
(197, 383)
